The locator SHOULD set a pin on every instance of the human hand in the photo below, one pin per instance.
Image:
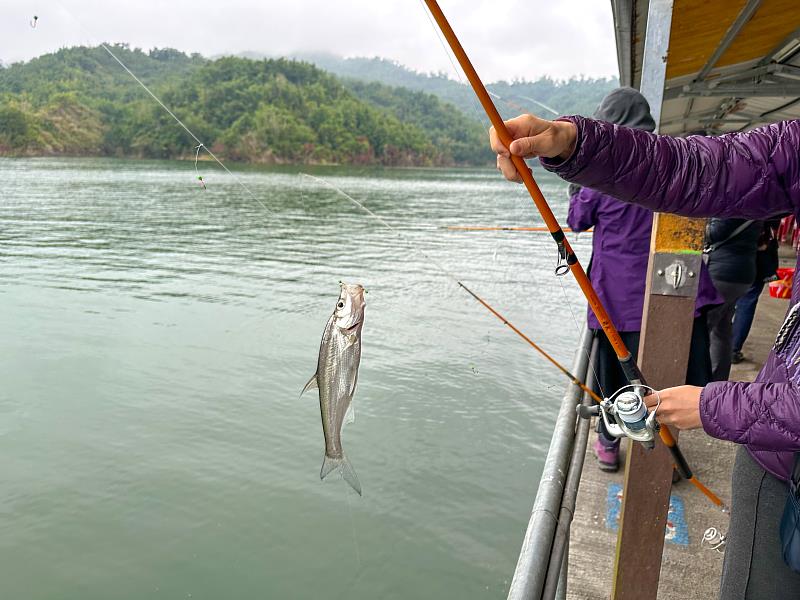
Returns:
(533, 137)
(680, 406)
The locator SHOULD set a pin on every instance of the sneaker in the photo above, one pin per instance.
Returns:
(607, 456)
(737, 357)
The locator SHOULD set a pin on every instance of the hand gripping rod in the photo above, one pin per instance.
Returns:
(626, 360)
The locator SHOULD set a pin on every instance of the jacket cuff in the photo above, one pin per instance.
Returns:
(709, 401)
(569, 167)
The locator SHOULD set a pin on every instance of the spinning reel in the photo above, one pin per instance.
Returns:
(625, 414)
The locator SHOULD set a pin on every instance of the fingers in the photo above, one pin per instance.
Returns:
(526, 126)
(518, 127)
(527, 147)
(532, 137)
(497, 146)
(679, 406)
(507, 168)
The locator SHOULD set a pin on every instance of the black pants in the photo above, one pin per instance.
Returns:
(611, 378)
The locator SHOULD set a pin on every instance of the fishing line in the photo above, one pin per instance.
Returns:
(197, 172)
(353, 526)
(624, 356)
(169, 112)
(455, 279)
(578, 329)
(472, 102)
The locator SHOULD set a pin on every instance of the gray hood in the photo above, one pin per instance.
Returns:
(627, 107)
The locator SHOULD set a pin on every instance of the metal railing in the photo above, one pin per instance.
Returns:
(543, 560)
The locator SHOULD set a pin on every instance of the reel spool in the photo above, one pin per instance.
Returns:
(625, 415)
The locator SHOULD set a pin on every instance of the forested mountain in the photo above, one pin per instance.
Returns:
(578, 95)
(79, 101)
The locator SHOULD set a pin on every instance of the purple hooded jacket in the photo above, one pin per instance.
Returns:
(620, 251)
(755, 175)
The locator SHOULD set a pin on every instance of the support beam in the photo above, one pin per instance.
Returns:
(663, 356)
(742, 18)
(705, 116)
(656, 49)
(785, 50)
(768, 88)
(623, 29)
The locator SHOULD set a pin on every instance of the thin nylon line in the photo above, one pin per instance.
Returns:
(578, 328)
(473, 102)
(447, 273)
(179, 122)
(166, 108)
(353, 527)
(383, 222)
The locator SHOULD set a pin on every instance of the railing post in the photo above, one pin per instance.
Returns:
(534, 557)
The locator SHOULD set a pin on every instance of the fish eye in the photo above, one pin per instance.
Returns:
(340, 304)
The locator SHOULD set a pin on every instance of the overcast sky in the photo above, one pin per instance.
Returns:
(506, 38)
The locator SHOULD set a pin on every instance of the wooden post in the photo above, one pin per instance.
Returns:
(663, 357)
(672, 275)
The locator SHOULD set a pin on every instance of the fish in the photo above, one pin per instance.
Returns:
(336, 378)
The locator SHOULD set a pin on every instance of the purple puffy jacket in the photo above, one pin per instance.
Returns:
(755, 175)
(620, 250)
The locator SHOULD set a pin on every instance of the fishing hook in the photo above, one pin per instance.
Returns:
(196, 158)
(34, 21)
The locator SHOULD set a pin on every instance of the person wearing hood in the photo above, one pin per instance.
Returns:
(618, 270)
(752, 175)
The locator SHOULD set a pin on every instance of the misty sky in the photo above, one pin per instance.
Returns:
(506, 38)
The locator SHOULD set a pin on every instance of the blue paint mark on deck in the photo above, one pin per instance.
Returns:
(677, 531)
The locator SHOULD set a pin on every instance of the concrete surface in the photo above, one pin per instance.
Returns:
(691, 570)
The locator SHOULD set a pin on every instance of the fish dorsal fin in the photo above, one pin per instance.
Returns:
(312, 383)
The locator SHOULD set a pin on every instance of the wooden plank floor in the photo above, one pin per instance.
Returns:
(690, 570)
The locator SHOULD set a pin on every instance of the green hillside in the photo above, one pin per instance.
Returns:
(79, 101)
(578, 95)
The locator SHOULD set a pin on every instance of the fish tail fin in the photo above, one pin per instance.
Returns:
(330, 464)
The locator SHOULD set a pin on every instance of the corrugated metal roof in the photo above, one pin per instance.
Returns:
(732, 64)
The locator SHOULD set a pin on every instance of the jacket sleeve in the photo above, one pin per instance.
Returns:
(754, 175)
(582, 213)
(765, 416)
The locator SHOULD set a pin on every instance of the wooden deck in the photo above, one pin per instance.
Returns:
(690, 570)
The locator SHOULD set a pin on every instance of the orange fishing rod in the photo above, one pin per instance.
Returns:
(492, 310)
(565, 250)
(592, 394)
(567, 259)
(535, 346)
(506, 228)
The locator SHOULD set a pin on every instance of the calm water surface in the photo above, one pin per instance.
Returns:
(155, 340)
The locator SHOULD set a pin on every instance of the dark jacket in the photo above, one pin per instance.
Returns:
(753, 175)
(734, 260)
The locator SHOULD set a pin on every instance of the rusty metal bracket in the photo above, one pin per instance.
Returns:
(676, 274)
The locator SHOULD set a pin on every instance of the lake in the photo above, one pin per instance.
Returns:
(156, 337)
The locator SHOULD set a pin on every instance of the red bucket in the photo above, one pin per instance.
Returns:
(786, 273)
(780, 289)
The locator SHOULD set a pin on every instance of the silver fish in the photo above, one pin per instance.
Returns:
(336, 377)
